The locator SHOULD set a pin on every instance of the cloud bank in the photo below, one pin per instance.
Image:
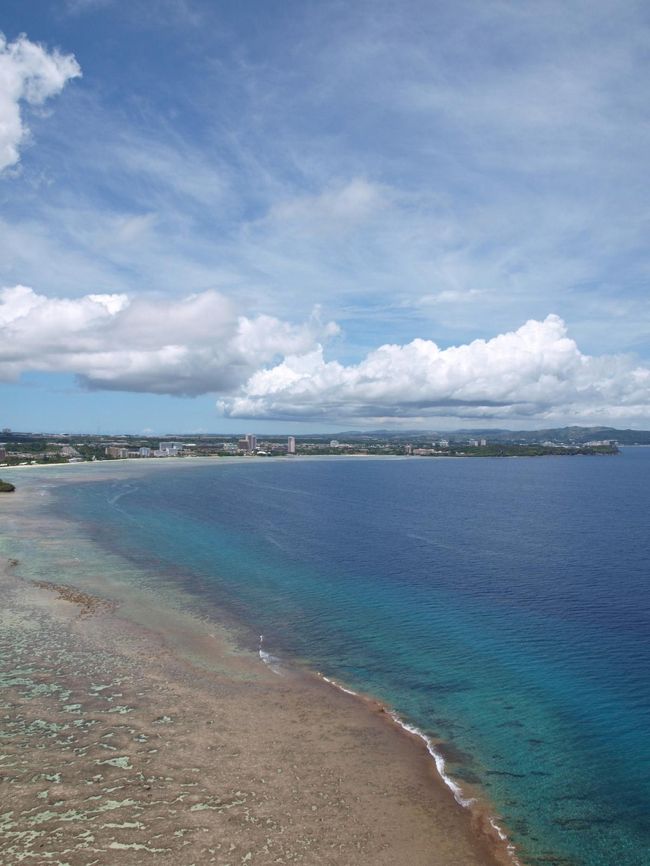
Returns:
(188, 346)
(32, 74)
(266, 368)
(535, 371)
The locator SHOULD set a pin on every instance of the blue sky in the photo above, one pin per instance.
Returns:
(295, 216)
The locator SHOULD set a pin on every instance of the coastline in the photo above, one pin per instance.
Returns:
(341, 763)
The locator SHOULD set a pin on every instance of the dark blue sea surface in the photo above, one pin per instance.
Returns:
(502, 605)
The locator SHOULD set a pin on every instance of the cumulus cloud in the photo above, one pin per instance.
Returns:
(193, 345)
(32, 74)
(263, 367)
(536, 370)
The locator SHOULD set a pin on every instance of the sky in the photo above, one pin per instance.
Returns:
(301, 216)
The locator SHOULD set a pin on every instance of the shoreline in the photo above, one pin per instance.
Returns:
(475, 827)
(483, 820)
(240, 458)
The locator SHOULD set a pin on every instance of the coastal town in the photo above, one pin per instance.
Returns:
(28, 448)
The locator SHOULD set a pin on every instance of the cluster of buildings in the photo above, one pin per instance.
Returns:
(248, 446)
(612, 443)
(165, 449)
(52, 452)
(440, 446)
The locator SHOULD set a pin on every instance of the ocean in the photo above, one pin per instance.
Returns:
(501, 606)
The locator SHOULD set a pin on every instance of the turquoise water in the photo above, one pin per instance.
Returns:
(501, 605)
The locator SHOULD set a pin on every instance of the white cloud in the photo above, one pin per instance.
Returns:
(193, 345)
(264, 367)
(534, 371)
(450, 296)
(78, 6)
(368, 165)
(28, 73)
(335, 209)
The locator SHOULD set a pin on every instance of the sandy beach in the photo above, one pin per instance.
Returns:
(124, 742)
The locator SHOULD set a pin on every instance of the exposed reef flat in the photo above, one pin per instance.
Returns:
(118, 749)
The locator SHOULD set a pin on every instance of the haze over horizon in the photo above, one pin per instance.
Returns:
(306, 217)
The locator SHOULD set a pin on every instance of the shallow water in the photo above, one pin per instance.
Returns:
(502, 606)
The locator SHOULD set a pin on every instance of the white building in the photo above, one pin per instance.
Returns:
(291, 445)
(251, 441)
(169, 449)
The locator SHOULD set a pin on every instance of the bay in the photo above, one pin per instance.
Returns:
(501, 605)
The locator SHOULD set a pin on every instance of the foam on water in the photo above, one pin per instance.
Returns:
(121, 493)
(440, 764)
(412, 729)
(336, 685)
(454, 787)
(273, 662)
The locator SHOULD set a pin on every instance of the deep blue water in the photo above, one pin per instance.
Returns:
(502, 605)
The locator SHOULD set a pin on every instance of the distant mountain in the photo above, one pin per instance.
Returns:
(562, 435)
(565, 435)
